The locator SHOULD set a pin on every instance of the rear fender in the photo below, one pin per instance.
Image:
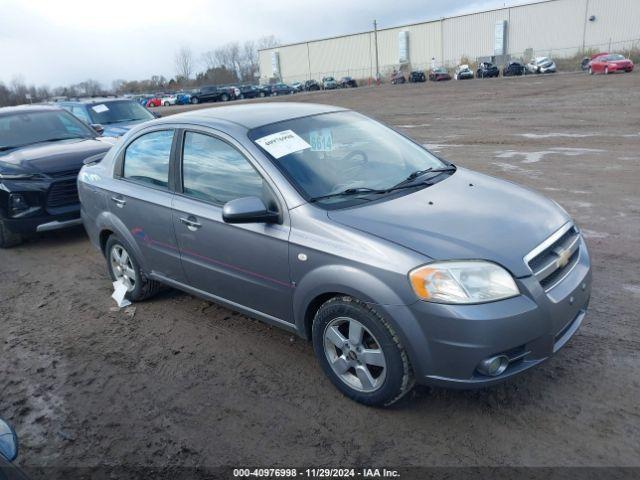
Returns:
(107, 221)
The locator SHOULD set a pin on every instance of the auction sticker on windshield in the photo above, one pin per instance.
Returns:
(321, 140)
(282, 143)
(100, 108)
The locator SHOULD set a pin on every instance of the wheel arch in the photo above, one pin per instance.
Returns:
(108, 224)
(330, 281)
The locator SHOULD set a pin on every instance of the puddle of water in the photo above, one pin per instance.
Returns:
(534, 157)
(436, 147)
(593, 233)
(632, 288)
(556, 134)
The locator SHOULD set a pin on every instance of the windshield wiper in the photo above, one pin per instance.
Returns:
(11, 147)
(348, 191)
(420, 173)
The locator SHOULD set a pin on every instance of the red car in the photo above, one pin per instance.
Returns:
(439, 74)
(154, 102)
(610, 64)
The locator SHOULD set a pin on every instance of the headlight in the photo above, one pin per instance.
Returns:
(473, 281)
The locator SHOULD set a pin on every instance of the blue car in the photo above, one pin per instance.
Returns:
(183, 98)
(111, 117)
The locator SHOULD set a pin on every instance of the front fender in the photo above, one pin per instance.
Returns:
(341, 279)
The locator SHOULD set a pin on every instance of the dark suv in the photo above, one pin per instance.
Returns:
(41, 151)
(210, 93)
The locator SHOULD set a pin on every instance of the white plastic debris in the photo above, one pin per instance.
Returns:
(119, 291)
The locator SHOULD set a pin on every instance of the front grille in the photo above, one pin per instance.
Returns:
(555, 257)
(62, 193)
(65, 173)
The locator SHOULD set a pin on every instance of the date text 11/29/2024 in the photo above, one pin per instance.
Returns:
(316, 472)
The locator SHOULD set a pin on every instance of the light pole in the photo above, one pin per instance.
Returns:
(375, 39)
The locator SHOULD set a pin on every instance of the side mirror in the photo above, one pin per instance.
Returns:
(8, 442)
(248, 210)
(98, 128)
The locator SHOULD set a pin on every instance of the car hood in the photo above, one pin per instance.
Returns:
(119, 129)
(51, 157)
(466, 216)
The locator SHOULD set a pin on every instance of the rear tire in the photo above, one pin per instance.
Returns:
(9, 239)
(194, 100)
(590, 71)
(140, 286)
(360, 352)
(606, 70)
(166, 104)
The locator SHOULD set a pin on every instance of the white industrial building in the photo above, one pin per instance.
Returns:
(557, 28)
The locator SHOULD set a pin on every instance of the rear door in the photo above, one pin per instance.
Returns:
(141, 198)
(246, 264)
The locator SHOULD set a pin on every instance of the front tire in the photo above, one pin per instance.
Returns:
(194, 100)
(590, 71)
(9, 239)
(122, 264)
(360, 352)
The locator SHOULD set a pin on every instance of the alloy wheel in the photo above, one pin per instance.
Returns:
(354, 354)
(122, 266)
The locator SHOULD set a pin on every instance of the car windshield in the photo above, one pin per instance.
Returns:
(441, 70)
(543, 60)
(334, 152)
(119, 111)
(26, 128)
(615, 57)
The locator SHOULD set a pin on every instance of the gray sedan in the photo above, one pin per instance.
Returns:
(400, 267)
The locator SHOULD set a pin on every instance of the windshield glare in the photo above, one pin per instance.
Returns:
(120, 111)
(345, 150)
(25, 128)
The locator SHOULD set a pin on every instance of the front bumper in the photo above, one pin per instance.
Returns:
(447, 342)
(66, 217)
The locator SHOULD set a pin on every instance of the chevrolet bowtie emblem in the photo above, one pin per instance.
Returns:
(563, 258)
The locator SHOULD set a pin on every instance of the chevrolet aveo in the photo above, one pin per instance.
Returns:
(399, 266)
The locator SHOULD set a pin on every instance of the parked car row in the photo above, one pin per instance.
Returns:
(484, 70)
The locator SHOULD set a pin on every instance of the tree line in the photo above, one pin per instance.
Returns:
(232, 63)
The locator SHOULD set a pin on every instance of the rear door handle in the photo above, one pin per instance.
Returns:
(119, 201)
(191, 223)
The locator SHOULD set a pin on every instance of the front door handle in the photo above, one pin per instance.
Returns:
(119, 201)
(191, 223)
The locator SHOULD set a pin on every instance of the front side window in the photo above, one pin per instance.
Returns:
(81, 113)
(334, 152)
(214, 171)
(146, 159)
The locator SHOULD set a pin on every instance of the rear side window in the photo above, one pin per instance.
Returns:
(214, 171)
(146, 159)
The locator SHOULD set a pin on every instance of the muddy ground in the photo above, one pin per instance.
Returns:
(184, 382)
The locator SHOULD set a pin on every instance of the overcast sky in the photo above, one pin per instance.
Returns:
(58, 42)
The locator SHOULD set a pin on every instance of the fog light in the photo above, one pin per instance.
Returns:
(494, 366)
(17, 203)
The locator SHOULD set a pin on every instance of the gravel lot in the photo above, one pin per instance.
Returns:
(184, 382)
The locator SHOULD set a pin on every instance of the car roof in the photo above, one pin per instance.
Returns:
(27, 109)
(251, 115)
(94, 100)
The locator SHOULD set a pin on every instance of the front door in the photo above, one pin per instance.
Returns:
(246, 264)
(141, 199)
